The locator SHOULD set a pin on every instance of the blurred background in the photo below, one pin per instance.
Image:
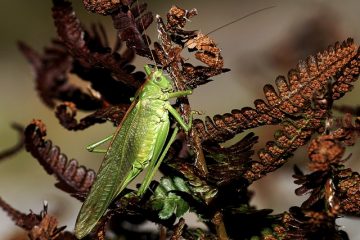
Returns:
(256, 49)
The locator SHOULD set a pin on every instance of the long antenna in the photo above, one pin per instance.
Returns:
(146, 38)
(240, 18)
(234, 21)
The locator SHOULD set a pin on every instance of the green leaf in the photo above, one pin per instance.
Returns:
(166, 201)
(181, 185)
(168, 209)
(182, 207)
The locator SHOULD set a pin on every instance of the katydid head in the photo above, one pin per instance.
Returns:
(158, 78)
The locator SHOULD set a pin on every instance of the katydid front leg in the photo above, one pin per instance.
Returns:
(179, 94)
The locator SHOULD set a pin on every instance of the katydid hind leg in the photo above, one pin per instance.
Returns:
(158, 148)
(155, 163)
(152, 165)
(92, 147)
(135, 171)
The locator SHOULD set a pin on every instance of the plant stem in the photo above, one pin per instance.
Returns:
(219, 226)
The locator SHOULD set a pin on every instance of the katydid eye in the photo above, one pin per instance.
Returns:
(158, 79)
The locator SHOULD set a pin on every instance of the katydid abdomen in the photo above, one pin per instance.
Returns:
(135, 140)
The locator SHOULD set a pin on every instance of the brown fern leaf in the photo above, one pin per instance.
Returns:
(326, 158)
(173, 39)
(71, 177)
(178, 230)
(87, 54)
(176, 21)
(166, 51)
(325, 151)
(131, 23)
(72, 34)
(39, 226)
(348, 192)
(293, 135)
(169, 57)
(337, 188)
(344, 78)
(47, 229)
(206, 50)
(104, 7)
(69, 28)
(228, 164)
(199, 75)
(66, 114)
(293, 97)
(51, 70)
(22, 220)
(318, 185)
(303, 224)
(348, 131)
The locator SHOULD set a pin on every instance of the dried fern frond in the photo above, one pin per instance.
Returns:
(39, 226)
(51, 71)
(73, 35)
(329, 182)
(131, 24)
(88, 55)
(290, 137)
(348, 192)
(104, 6)
(71, 177)
(173, 39)
(304, 224)
(228, 164)
(66, 114)
(295, 107)
(294, 95)
(348, 130)
(22, 220)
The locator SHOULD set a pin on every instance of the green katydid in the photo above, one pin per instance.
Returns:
(139, 142)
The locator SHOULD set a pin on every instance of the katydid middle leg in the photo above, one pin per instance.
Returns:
(92, 147)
